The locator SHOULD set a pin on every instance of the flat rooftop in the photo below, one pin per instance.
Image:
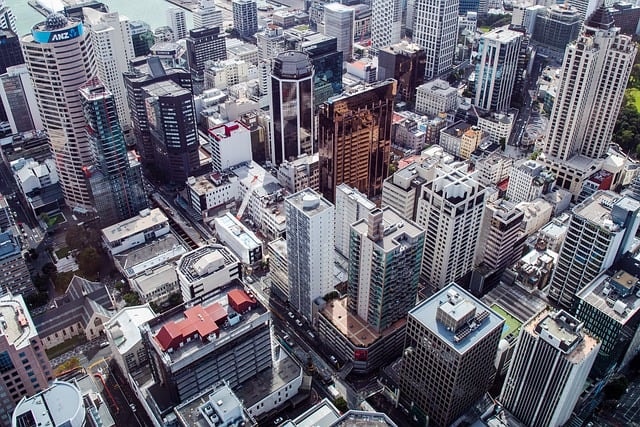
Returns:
(123, 326)
(146, 220)
(597, 208)
(151, 255)
(241, 233)
(396, 228)
(58, 405)
(357, 331)
(282, 372)
(199, 262)
(309, 202)
(212, 306)
(518, 302)
(604, 296)
(17, 327)
(220, 399)
(426, 313)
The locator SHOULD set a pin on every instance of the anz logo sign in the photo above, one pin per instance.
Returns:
(57, 36)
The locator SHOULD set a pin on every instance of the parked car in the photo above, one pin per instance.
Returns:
(298, 322)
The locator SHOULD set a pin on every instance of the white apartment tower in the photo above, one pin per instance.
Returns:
(450, 209)
(351, 206)
(435, 28)
(7, 18)
(338, 23)
(113, 48)
(386, 23)
(601, 229)
(499, 51)
(528, 180)
(177, 21)
(551, 361)
(59, 56)
(207, 15)
(310, 246)
(594, 71)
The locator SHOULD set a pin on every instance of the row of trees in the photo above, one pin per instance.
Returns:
(627, 130)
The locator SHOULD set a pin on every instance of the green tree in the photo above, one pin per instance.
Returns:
(131, 298)
(341, 404)
(89, 261)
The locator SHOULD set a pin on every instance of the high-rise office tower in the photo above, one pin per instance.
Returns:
(59, 56)
(19, 100)
(450, 347)
(496, 69)
(354, 139)
(291, 106)
(113, 47)
(141, 38)
(270, 42)
(587, 7)
(207, 15)
(245, 18)
(435, 28)
(351, 206)
(171, 117)
(338, 23)
(152, 71)
(386, 23)
(601, 230)
(404, 62)
(115, 178)
(10, 55)
(557, 25)
(589, 97)
(450, 209)
(528, 180)
(310, 240)
(500, 234)
(7, 18)
(26, 369)
(550, 363)
(385, 252)
(177, 21)
(204, 44)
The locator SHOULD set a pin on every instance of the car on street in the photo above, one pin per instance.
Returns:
(278, 421)
(298, 322)
(290, 314)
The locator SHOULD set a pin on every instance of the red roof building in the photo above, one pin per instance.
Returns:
(240, 301)
(199, 321)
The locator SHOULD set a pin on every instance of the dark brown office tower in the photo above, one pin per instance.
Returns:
(354, 139)
(404, 62)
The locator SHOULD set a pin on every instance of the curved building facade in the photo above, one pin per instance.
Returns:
(59, 58)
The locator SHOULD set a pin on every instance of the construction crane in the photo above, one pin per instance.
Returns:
(247, 197)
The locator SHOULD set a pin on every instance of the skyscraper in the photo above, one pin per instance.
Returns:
(589, 97)
(207, 15)
(338, 23)
(115, 178)
(152, 71)
(113, 47)
(601, 230)
(10, 55)
(245, 18)
(310, 240)
(450, 347)
(551, 361)
(404, 62)
(7, 18)
(25, 367)
(18, 98)
(496, 69)
(386, 23)
(204, 44)
(351, 206)
(435, 28)
(177, 21)
(59, 56)
(291, 106)
(354, 138)
(385, 252)
(450, 209)
(171, 117)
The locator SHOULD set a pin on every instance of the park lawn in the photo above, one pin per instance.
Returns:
(634, 94)
(62, 252)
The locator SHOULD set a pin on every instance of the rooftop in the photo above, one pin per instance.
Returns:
(562, 331)
(241, 233)
(151, 255)
(616, 295)
(222, 132)
(213, 318)
(396, 230)
(60, 404)
(309, 202)
(17, 325)
(218, 406)
(124, 326)
(354, 328)
(518, 302)
(451, 306)
(144, 221)
(204, 261)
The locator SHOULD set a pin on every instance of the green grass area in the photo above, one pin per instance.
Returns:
(62, 252)
(69, 344)
(634, 94)
(512, 324)
(484, 29)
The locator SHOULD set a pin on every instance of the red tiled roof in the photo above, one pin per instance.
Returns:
(240, 300)
(201, 320)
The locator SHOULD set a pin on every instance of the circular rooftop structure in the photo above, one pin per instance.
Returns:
(292, 65)
(55, 21)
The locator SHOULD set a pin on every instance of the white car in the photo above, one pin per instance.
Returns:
(298, 322)
(290, 314)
